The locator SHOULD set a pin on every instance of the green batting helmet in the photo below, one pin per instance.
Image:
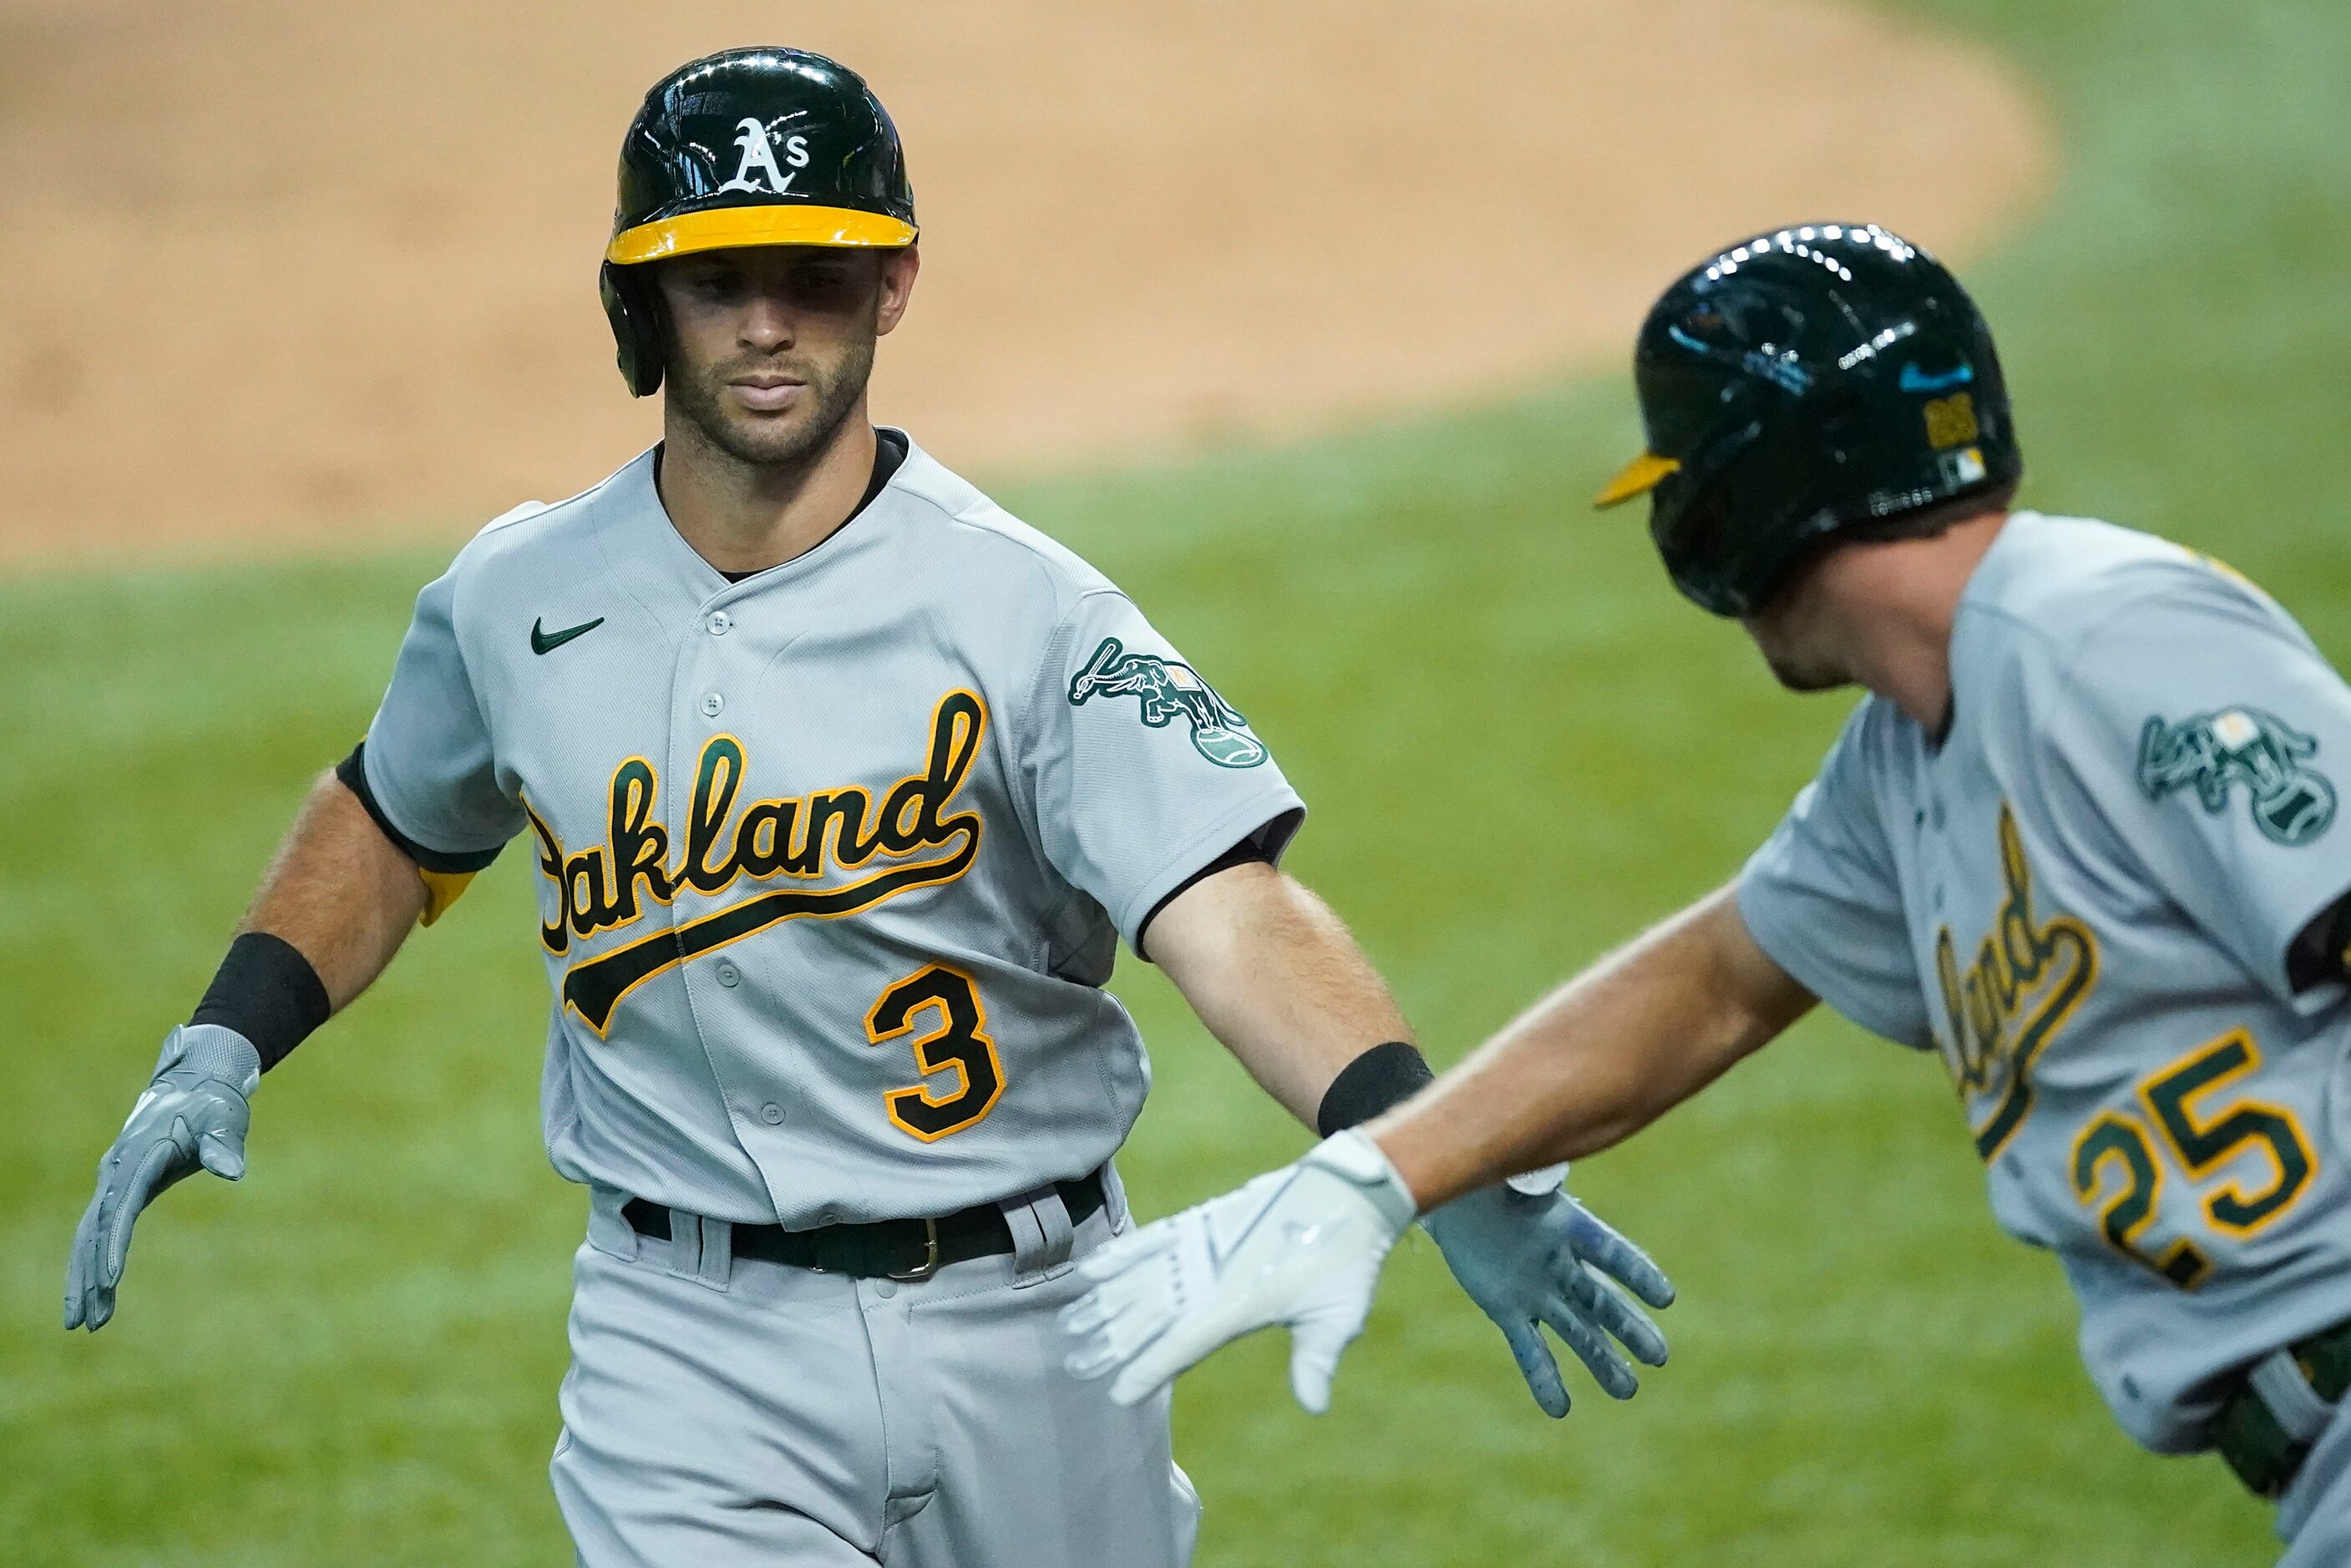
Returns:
(748, 147)
(1808, 383)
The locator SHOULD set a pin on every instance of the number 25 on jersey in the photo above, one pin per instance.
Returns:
(2200, 1142)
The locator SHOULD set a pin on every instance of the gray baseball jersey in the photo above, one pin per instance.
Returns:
(2084, 896)
(833, 859)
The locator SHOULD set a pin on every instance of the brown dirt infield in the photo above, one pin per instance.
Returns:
(289, 273)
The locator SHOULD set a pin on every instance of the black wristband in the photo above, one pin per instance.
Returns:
(268, 992)
(1382, 1077)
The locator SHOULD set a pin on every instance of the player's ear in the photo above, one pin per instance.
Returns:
(640, 325)
(898, 270)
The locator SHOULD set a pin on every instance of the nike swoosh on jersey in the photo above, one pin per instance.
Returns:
(545, 641)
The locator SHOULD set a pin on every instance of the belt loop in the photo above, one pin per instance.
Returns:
(609, 1227)
(1041, 1235)
(2299, 1411)
(717, 1251)
(1114, 1197)
(684, 1244)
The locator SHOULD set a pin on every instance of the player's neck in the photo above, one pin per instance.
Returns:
(746, 517)
(1898, 602)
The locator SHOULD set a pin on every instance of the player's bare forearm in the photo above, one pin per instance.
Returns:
(1598, 1059)
(1275, 975)
(341, 892)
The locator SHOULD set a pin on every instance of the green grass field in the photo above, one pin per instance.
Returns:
(1519, 747)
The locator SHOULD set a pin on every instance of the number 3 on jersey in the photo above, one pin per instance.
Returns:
(2201, 1145)
(957, 1043)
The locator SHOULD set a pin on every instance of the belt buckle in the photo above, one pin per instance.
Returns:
(930, 1264)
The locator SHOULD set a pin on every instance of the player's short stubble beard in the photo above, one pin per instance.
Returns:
(795, 441)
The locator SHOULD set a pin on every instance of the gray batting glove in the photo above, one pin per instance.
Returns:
(1528, 1255)
(193, 1116)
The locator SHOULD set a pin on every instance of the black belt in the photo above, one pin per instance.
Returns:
(2255, 1441)
(885, 1249)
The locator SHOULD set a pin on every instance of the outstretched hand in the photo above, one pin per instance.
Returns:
(1530, 1255)
(193, 1116)
(1301, 1246)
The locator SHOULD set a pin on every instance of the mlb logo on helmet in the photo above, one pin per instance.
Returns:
(1964, 467)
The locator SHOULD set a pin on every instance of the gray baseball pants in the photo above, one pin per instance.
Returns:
(738, 1412)
(2314, 1514)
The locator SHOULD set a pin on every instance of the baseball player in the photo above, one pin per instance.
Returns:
(2080, 839)
(842, 786)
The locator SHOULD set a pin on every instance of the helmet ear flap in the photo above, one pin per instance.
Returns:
(634, 312)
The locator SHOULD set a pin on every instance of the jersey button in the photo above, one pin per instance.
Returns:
(772, 1114)
(713, 705)
(729, 975)
(720, 623)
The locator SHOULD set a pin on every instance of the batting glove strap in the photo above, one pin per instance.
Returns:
(212, 1051)
(1354, 1157)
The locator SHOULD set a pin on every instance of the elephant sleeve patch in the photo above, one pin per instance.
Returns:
(2292, 803)
(1164, 690)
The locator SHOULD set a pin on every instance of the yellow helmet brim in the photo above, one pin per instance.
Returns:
(769, 223)
(1638, 477)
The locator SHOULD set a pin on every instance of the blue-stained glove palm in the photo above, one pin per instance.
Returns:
(1530, 1257)
(193, 1116)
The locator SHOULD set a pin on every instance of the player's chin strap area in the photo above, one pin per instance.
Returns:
(2267, 1426)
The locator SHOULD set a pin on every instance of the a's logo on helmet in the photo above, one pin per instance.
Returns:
(1167, 690)
(759, 160)
(2212, 753)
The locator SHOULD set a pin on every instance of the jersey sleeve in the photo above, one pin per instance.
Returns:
(1139, 771)
(1821, 900)
(2210, 732)
(428, 763)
